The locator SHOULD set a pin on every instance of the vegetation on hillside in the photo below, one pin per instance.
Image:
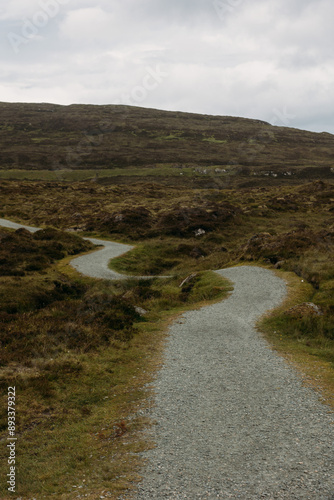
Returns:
(193, 193)
(52, 137)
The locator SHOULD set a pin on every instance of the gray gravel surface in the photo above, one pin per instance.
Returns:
(95, 264)
(233, 419)
(14, 225)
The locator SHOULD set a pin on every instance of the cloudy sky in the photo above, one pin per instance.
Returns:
(266, 59)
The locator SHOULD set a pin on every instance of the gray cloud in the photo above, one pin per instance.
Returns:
(261, 58)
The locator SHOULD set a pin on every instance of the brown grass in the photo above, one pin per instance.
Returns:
(312, 362)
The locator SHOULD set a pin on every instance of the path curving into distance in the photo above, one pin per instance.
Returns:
(94, 264)
(233, 420)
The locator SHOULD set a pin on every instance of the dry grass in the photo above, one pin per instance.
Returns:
(313, 357)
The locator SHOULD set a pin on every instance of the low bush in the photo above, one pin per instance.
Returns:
(22, 252)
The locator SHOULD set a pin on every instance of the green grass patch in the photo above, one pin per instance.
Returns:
(150, 259)
(172, 256)
(214, 140)
(170, 137)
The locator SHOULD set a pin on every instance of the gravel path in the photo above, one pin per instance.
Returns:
(233, 420)
(14, 225)
(94, 264)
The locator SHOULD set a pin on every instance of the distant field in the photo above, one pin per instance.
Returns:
(81, 175)
(215, 172)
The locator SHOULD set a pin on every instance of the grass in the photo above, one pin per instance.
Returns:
(172, 256)
(214, 140)
(306, 342)
(72, 423)
(69, 175)
(79, 363)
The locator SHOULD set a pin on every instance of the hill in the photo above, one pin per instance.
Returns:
(79, 137)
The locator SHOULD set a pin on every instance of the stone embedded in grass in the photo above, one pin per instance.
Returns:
(141, 311)
(189, 221)
(199, 232)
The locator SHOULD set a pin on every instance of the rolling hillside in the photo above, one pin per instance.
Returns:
(79, 137)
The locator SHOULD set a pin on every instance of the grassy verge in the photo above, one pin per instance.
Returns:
(79, 363)
(173, 255)
(306, 342)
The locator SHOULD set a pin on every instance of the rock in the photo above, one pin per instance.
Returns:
(307, 309)
(279, 264)
(141, 311)
(199, 232)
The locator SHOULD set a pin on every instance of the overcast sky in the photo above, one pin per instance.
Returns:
(266, 59)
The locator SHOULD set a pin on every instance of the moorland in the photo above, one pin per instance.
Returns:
(192, 193)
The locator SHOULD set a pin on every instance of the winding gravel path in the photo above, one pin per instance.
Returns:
(14, 225)
(94, 264)
(233, 420)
